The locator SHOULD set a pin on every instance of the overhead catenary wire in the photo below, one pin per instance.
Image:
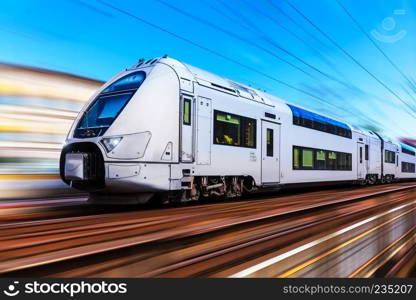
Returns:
(264, 36)
(364, 32)
(289, 31)
(252, 28)
(216, 53)
(338, 46)
(297, 24)
(281, 48)
(274, 44)
(236, 36)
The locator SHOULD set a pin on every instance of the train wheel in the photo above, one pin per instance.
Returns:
(390, 179)
(372, 179)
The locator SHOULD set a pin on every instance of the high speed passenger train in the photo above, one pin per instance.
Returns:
(163, 127)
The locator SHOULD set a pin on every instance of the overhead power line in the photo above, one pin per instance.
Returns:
(285, 28)
(205, 22)
(236, 36)
(265, 37)
(216, 53)
(283, 13)
(412, 111)
(219, 28)
(360, 27)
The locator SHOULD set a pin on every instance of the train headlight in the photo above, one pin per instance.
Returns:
(111, 143)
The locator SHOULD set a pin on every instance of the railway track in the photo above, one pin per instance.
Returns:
(343, 232)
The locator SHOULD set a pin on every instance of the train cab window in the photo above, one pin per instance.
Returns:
(186, 112)
(269, 142)
(234, 130)
(129, 82)
(102, 112)
(361, 155)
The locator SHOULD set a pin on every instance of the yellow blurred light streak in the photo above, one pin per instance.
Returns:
(381, 253)
(65, 93)
(35, 83)
(343, 245)
(28, 176)
(37, 127)
(267, 263)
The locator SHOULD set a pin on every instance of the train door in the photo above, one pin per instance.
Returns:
(270, 144)
(397, 172)
(361, 162)
(367, 156)
(187, 121)
(203, 131)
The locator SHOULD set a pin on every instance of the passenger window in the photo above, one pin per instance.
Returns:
(320, 160)
(390, 157)
(314, 121)
(187, 111)
(408, 167)
(296, 158)
(366, 152)
(361, 155)
(227, 129)
(249, 133)
(307, 158)
(269, 142)
(332, 160)
(234, 130)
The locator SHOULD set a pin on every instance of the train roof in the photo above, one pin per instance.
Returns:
(407, 147)
(363, 130)
(226, 85)
(206, 78)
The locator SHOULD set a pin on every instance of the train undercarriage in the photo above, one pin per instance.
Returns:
(195, 188)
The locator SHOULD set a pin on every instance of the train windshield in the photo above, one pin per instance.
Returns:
(108, 105)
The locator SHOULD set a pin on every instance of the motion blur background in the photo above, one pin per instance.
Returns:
(351, 59)
(36, 109)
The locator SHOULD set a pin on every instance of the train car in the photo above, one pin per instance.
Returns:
(167, 128)
(369, 156)
(406, 162)
(390, 160)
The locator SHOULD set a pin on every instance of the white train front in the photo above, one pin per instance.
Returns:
(166, 128)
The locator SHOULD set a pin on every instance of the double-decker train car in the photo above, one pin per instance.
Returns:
(167, 128)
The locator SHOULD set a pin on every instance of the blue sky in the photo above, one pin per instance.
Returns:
(295, 41)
